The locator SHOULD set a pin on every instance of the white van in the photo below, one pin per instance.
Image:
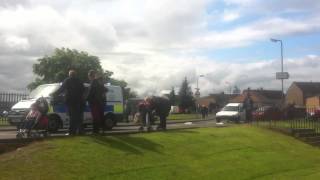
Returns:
(232, 112)
(57, 112)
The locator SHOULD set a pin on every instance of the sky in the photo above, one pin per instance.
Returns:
(154, 45)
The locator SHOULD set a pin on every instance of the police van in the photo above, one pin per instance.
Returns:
(57, 110)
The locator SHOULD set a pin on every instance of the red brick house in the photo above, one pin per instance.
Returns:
(313, 102)
(260, 97)
(298, 92)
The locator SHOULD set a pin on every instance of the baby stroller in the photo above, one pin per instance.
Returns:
(36, 122)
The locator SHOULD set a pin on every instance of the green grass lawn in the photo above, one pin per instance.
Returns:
(238, 152)
(183, 116)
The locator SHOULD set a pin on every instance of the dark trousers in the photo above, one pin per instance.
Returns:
(203, 114)
(97, 112)
(76, 118)
(163, 122)
(146, 119)
(248, 115)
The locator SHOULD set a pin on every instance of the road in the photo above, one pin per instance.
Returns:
(123, 128)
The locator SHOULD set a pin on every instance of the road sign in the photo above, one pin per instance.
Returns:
(282, 75)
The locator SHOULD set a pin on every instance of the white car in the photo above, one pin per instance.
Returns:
(232, 112)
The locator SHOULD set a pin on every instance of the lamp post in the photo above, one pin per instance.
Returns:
(283, 75)
(197, 93)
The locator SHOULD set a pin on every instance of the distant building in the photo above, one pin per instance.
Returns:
(214, 101)
(313, 102)
(298, 92)
(260, 97)
(206, 101)
(165, 93)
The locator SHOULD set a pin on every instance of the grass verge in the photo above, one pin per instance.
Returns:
(238, 152)
(183, 116)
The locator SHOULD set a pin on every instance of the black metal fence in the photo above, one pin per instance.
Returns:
(7, 100)
(292, 120)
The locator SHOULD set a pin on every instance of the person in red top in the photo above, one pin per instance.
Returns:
(145, 111)
(97, 100)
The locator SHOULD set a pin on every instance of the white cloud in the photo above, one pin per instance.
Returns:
(151, 44)
(258, 31)
(159, 73)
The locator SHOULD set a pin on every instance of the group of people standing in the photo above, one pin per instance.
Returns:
(76, 99)
(151, 107)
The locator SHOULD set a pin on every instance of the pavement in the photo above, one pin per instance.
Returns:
(8, 133)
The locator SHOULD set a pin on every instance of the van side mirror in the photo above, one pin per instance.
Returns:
(5, 113)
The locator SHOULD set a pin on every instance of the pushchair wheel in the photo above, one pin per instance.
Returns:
(19, 136)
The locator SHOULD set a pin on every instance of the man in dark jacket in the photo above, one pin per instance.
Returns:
(74, 90)
(97, 100)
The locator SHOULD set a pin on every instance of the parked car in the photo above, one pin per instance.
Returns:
(293, 112)
(232, 112)
(267, 113)
(314, 113)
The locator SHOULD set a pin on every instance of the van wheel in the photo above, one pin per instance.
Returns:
(108, 123)
(53, 124)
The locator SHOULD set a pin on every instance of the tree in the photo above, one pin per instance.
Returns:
(172, 97)
(186, 99)
(54, 68)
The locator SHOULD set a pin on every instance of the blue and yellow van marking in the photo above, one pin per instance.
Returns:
(116, 108)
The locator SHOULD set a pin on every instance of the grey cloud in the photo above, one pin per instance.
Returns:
(12, 3)
(15, 73)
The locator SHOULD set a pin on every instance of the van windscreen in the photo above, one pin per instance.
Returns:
(231, 108)
(43, 91)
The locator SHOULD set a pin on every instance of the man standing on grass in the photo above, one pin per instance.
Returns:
(97, 100)
(74, 90)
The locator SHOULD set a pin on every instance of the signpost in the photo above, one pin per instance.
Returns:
(282, 75)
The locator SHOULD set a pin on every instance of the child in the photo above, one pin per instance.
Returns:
(32, 118)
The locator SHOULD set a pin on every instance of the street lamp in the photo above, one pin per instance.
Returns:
(281, 75)
(197, 93)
